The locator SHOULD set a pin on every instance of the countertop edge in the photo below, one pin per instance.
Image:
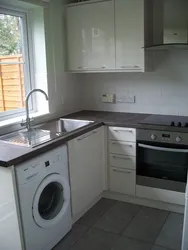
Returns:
(52, 144)
(99, 118)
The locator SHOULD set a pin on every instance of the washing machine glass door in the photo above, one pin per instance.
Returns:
(51, 201)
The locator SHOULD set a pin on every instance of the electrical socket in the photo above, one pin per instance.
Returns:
(109, 98)
(126, 99)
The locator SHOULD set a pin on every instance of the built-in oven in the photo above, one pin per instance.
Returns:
(162, 159)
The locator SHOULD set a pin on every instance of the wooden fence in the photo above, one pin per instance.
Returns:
(12, 91)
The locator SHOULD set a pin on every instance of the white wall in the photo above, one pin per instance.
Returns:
(62, 87)
(164, 91)
(39, 70)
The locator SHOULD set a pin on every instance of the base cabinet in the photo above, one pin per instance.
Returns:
(122, 160)
(122, 181)
(87, 172)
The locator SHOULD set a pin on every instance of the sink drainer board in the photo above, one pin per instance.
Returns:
(27, 138)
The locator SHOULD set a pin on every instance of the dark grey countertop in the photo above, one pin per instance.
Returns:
(132, 120)
(111, 118)
(13, 155)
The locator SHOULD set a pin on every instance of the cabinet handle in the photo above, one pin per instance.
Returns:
(103, 67)
(126, 145)
(121, 171)
(130, 67)
(82, 67)
(88, 135)
(122, 158)
(125, 130)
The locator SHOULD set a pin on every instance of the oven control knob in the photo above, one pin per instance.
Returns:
(153, 137)
(178, 139)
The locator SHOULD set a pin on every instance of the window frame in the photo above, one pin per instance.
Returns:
(28, 64)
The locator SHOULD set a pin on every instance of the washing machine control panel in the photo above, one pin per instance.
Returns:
(41, 165)
(30, 172)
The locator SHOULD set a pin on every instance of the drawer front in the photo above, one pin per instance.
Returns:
(122, 148)
(122, 181)
(122, 134)
(128, 162)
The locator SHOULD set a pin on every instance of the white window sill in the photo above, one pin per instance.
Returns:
(19, 119)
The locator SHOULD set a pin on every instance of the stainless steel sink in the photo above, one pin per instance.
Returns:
(63, 126)
(68, 125)
(43, 132)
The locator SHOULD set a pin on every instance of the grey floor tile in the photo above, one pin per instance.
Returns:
(117, 218)
(96, 212)
(124, 243)
(171, 233)
(147, 224)
(68, 241)
(159, 248)
(95, 239)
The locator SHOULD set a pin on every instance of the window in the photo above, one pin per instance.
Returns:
(15, 79)
(23, 64)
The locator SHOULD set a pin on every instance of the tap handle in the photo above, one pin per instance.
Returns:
(23, 123)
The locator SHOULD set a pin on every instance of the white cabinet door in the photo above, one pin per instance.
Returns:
(87, 169)
(122, 134)
(122, 181)
(129, 26)
(90, 31)
(99, 31)
(77, 55)
(122, 161)
(122, 148)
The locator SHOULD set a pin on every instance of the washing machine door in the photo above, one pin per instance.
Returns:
(51, 201)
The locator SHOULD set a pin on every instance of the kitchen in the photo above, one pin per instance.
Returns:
(119, 103)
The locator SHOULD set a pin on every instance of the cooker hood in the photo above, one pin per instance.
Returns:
(167, 24)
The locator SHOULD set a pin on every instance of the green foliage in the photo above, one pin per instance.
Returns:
(10, 35)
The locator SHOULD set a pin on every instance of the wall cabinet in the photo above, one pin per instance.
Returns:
(106, 36)
(77, 57)
(129, 28)
(90, 36)
(87, 171)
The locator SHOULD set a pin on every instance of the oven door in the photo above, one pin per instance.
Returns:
(162, 165)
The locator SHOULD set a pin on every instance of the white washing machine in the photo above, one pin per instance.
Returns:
(44, 199)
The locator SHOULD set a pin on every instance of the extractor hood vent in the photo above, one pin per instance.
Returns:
(167, 24)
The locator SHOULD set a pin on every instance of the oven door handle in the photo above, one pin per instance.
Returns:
(176, 150)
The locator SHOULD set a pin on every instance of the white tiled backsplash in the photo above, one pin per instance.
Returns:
(163, 91)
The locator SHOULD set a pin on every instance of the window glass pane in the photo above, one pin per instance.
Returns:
(10, 33)
(12, 87)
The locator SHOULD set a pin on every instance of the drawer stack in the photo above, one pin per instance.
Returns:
(122, 160)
